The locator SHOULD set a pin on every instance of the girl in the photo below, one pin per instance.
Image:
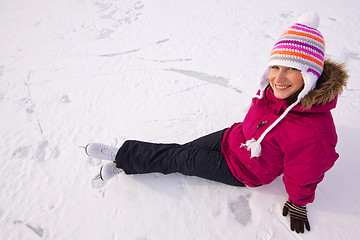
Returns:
(288, 130)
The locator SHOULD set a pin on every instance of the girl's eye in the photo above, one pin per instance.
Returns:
(295, 69)
(274, 67)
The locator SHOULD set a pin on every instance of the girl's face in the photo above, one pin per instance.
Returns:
(285, 81)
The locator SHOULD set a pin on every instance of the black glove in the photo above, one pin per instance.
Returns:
(298, 217)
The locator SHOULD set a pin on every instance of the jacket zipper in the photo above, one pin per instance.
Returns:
(262, 123)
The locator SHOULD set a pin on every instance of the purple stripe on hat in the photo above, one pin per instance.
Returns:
(305, 26)
(301, 43)
(307, 29)
(300, 49)
(314, 72)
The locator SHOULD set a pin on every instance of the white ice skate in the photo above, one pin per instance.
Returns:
(108, 171)
(101, 151)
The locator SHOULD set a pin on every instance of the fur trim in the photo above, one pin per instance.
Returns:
(336, 80)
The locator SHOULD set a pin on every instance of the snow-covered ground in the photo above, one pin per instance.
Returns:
(77, 71)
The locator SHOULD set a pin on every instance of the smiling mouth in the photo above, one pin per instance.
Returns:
(282, 87)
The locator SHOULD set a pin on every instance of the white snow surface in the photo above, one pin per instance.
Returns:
(80, 71)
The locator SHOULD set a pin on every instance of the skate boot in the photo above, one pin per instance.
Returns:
(101, 151)
(108, 171)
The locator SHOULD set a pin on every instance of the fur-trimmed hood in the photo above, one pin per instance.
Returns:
(335, 81)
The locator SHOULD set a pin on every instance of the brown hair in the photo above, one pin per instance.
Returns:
(323, 78)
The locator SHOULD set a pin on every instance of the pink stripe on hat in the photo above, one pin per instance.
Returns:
(299, 48)
(307, 29)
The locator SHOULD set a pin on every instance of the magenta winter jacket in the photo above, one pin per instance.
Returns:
(301, 146)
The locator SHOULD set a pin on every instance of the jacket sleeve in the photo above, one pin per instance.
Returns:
(306, 160)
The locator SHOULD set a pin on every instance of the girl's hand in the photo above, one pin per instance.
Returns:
(298, 217)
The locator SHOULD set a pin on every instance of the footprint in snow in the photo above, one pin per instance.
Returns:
(113, 14)
(65, 99)
(21, 152)
(28, 104)
(240, 209)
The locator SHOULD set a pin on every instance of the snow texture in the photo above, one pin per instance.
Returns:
(80, 71)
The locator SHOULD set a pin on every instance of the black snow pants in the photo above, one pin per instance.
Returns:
(201, 157)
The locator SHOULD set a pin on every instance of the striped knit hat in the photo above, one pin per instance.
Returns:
(302, 47)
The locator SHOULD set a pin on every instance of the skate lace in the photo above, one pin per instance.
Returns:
(108, 152)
